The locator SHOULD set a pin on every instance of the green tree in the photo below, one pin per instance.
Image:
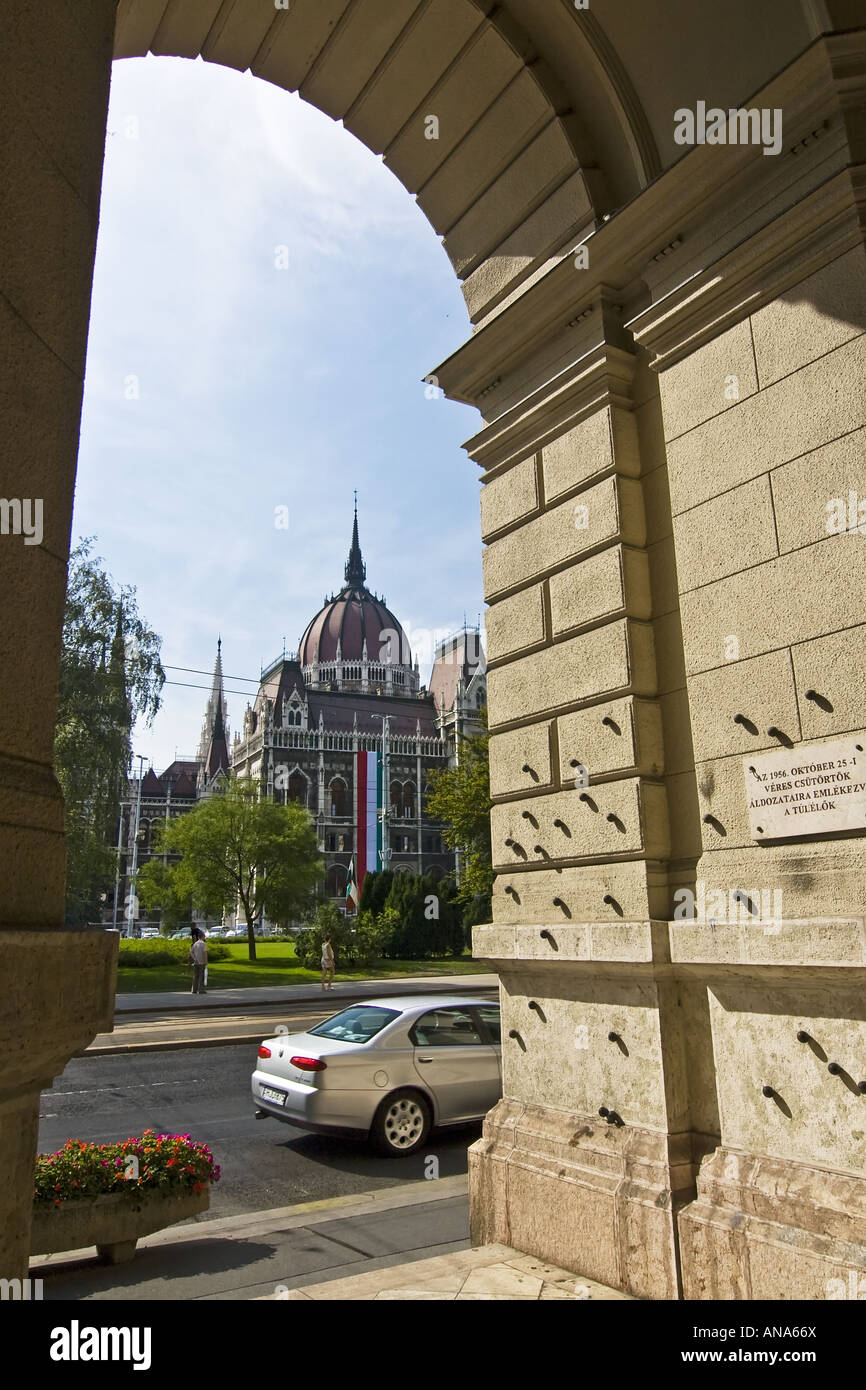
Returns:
(110, 674)
(238, 849)
(460, 799)
(156, 886)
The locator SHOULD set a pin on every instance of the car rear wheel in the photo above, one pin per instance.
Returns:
(402, 1124)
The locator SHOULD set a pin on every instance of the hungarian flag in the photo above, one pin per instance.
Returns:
(352, 894)
(368, 827)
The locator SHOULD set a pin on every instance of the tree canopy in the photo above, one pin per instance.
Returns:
(460, 799)
(237, 849)
(110, 674)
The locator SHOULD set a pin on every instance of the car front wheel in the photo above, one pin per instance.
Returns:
(402, 1124)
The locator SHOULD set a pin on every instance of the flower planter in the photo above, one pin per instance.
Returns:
(112, 1222)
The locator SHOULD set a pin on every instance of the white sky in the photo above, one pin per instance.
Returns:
(261, 387)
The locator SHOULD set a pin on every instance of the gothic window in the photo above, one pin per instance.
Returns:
(339, 797)
(335, 881)
(479, 698)
(297, 789)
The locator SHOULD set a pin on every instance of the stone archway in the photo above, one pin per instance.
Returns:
(665, 416)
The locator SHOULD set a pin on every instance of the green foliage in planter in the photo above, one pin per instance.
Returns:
(156, 951)
(150, 1163)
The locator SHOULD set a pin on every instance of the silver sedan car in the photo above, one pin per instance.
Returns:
(386, 1070)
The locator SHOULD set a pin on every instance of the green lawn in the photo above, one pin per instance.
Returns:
(278, 965)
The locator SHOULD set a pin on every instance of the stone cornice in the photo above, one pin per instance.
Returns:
(600, 377)
(822, 227)
(707, 203)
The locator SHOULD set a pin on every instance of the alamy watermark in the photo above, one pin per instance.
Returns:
(22, 516)
(761, 907)
(737, 126)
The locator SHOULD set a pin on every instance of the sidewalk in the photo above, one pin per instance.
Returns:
(408, 1242)
(344, 991)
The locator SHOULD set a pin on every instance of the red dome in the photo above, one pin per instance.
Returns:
(352, 618)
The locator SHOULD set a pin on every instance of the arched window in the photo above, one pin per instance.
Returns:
(409, 800)
(339, 797)
(479, 699)
(297, 788)
(335, 881)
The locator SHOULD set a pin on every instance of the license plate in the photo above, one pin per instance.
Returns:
(278, 1097)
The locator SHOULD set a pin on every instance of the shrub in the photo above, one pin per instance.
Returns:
(169, 1162)
(156, 951)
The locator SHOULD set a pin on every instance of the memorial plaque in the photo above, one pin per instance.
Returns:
(814, 789)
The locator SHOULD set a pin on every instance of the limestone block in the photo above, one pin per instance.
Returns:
(63, 105)
(812, 318)
(772, 599)
(676, 735)
(610, 584)
(668, 643)
(296, 41)
(514, 624)
(514, 949)
(818, 878)
(610, 659)
(40, 400)
(422, 55)
(563, 1057)
(183, 28)
(728, 934)
(624, 817)
(43, 213)
(355, 51)
(617, 736)
(565, 210)
(664, 581)
(797, 414)
(33, 586)
(727, 534)
(811, 494)
(568, 1189)
(536, 171)
(709, 381)
(637, 891)
(657, 503)
(509, 497)
(496, 138)
(831, 667)
(683, 815)
(483, 70)
(812, 1117)
(722, 795)
(525, 748)
(611, 510)
(606, 439)
(760, 690)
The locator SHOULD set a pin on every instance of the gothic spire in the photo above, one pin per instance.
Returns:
(356, 570)
(213, 749)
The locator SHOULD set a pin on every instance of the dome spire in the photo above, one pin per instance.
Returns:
(356, 570)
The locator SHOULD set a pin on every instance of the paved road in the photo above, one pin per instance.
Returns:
(205, 1092)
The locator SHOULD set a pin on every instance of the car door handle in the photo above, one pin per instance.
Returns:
(426, 1059)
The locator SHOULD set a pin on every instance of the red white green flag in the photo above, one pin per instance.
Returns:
(352, 893)
(368, 827)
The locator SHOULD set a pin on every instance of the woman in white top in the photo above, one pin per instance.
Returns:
(327, 964)
(198, 957)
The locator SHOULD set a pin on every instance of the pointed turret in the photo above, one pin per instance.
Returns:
(213, 750)
(356, 570)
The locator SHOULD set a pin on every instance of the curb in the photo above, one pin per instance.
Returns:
(117, 1049)
(388, 987)
(258, 1223)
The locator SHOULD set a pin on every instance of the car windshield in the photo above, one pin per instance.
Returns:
(356, 1025)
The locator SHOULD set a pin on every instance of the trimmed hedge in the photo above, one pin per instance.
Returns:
(159, 951)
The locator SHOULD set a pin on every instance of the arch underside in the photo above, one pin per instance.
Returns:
(549, 117)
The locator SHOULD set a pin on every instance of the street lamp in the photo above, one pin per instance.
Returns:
(131, 895)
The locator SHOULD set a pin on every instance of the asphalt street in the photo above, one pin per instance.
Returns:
(206, 1092)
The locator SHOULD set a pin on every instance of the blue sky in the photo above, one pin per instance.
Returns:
(221, 387)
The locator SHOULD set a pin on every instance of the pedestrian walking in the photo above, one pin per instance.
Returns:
(198, 957)
(327, 964)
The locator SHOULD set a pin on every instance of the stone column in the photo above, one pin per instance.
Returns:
(58, 984)
(593, 1147)
(758, 338)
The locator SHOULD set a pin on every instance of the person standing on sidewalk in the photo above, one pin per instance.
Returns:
(198, 956)
(327, 964)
